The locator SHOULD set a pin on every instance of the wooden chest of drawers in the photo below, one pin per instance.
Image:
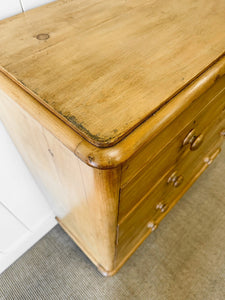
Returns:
(117, 108)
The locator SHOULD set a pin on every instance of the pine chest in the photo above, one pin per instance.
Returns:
(116, 107)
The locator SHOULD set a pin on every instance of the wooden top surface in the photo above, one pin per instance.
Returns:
(109, 65)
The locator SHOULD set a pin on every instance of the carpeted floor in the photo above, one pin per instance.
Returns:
(183, 259)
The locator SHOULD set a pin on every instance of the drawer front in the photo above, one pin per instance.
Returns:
(144, 218)
(192, 137)
(161, 140)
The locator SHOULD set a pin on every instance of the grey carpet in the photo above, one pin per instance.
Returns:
(183, 259)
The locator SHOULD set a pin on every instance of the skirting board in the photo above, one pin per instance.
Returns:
(26, 242)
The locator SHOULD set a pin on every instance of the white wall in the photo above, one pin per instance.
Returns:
(9, 8)
(28, 4)
(25, 215)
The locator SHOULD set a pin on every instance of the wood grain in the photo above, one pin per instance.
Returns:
(134, 228)
(148, 177)
(85, 199)
(99, 98)
(198, 115)
(135, 143)
(108, 65)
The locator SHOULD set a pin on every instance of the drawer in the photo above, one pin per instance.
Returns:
(144, 218)
(146, 154)
(150, 174)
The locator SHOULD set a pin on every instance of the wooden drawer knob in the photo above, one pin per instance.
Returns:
(197, 142)
(162, 207)
(179, 180)
(209, 160)
(175, 180)
(193, 140)
(151, 225)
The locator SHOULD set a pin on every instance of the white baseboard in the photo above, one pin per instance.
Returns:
(25, 216)
(26, 242)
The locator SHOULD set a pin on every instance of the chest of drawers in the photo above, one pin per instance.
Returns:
(117, 108)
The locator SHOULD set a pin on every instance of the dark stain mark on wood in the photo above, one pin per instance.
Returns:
(50, 151)
(43, 36)
(78, 125)
(90, 158)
